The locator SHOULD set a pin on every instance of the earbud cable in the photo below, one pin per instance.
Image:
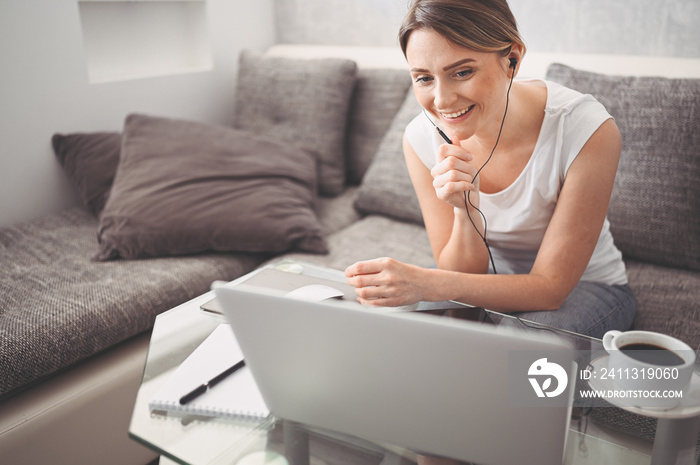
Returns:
(467, 198)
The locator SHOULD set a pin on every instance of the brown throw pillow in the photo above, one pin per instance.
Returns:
(184, 187)
(90, 161)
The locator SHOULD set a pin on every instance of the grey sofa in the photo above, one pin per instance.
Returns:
(60, 309)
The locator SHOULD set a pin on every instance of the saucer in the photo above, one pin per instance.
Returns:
(688, 407)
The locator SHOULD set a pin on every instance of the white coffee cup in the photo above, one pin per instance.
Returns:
(647, 369)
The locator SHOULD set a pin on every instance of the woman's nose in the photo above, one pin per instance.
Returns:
(444, 96)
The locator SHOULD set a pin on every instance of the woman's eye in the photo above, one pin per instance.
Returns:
(422, 80)
(465, 73)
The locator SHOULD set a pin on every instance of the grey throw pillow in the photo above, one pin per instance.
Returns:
(184, 187)
(655, 207)
(378, 96)
(298, 101)
(386, 188)
(90, 161)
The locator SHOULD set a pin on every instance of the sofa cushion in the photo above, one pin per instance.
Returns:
(184, 187)
(667, 301)
(58, 307)
(404, 241)
(336, 213)
(302, 102)
(655, 207)
(386, 188)
(377, 98)
(90, 161)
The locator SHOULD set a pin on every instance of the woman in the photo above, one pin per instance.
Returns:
(539, 161)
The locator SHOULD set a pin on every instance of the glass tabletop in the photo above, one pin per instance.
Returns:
(203, 440)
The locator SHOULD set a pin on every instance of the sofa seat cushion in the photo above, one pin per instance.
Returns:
(58, 307)
(336, 213)
(372, 237)
(667, 301)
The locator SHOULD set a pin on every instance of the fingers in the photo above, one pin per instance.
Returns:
(451, 186)
(364, 274)
(453, 150)
(384, 295)
(366, 267)
(373, 282)
(451, 159)
(453, 172)
(453, 181)
(381, 302)
(386, 282)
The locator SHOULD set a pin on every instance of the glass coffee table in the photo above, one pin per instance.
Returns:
(199, 440)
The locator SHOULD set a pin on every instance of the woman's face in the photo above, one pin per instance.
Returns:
(464, 90)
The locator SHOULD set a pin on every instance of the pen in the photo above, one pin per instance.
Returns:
(202, 388)
(442, 134)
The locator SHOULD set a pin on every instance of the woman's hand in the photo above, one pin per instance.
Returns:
(387, 282)
(453, 175)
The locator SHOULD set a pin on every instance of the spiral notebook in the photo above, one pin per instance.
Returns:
(237, 396)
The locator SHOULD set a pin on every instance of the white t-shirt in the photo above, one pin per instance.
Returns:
(518, 216)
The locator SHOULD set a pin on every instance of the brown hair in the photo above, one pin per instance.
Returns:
(479, 25)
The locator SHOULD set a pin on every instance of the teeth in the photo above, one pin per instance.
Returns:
(458, 114)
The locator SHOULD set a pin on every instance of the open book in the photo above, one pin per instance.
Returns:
(236, 396)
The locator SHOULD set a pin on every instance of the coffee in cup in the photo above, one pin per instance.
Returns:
(648, 369)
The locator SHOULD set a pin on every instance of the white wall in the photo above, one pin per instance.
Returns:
(44, 89)
(620, 27)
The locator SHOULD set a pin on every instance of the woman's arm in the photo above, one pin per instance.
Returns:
(455, 243)
(566, 249)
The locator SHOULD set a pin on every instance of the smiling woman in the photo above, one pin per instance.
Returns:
(539, 161)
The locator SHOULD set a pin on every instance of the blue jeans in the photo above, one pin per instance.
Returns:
(591, 309)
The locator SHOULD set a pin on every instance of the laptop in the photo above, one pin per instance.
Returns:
(435, 385)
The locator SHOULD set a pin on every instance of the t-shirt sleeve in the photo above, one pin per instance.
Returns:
(421, 134)
(584, 116)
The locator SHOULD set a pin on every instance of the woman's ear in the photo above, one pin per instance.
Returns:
(514, 56)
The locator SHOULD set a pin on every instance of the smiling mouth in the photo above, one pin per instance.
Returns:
(457, 114)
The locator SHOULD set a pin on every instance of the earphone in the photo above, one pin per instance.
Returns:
(467, 200)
